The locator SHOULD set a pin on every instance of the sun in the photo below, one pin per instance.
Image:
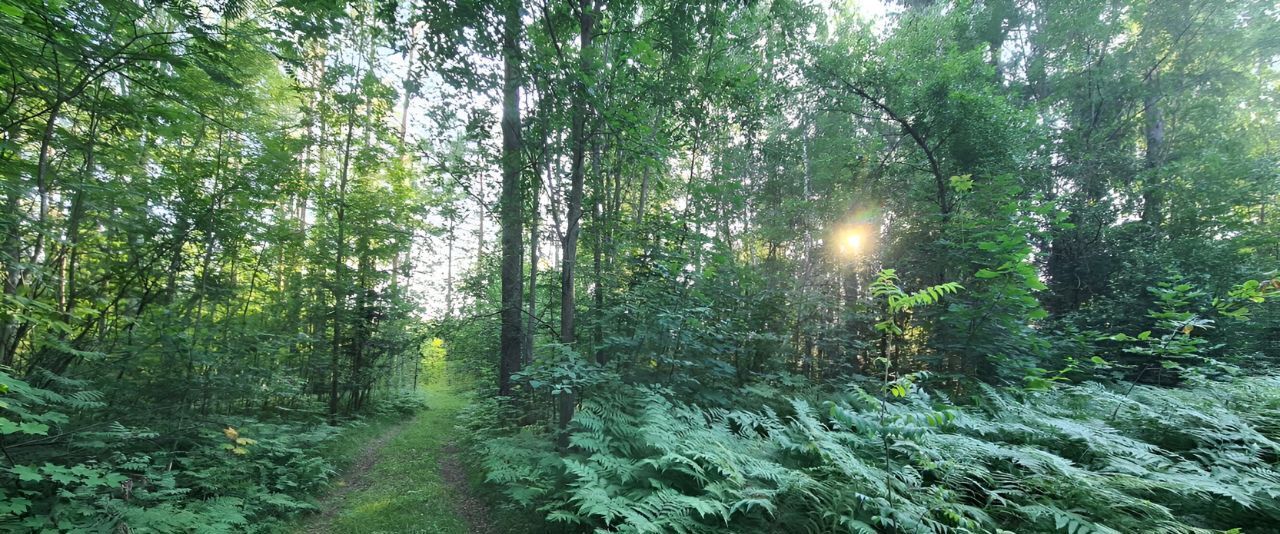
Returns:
(855, 237)
(854, 241)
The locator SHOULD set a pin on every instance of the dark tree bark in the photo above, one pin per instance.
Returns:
(510, 203)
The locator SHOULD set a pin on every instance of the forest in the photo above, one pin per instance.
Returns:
(644, 266)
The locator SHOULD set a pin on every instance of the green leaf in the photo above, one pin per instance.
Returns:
(11, 10)
(38, 429)
(27, 473)
(14, 505)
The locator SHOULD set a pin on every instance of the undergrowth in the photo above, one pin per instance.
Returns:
(220, 473)
(1201, 459)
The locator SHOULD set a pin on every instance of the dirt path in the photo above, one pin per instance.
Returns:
(471, 508)
(355, 479)
(409, 479)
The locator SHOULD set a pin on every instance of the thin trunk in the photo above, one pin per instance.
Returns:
(574, 208)
(597, 259)
(448, 276)
(574, 202)
(644, 180)
(417, 367)
(339, 283)
(363, 321)
(1152, 196)
(555, 192)
(206, 264)
(408, 78)
(481, 214)
(395, 269)
(68, 293)
(13, 271)
(534, 237)
(644, 194)
(42, 178)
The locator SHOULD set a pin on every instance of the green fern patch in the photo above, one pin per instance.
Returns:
(1173, 461)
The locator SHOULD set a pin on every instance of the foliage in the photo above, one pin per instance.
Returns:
(1177, 461)
(241, 478)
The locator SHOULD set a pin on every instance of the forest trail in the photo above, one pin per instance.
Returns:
(409, 479)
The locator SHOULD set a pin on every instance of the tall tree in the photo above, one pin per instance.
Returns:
(511, 202)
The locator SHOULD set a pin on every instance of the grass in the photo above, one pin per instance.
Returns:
(403, 492)
(345, 449)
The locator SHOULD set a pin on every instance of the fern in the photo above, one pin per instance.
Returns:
(1046, 462)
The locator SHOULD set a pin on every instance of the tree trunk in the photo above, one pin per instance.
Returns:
(574, 208)
(600, 217)
(1152, 196)
(339, 265)
(511, 205)
(42, 179)
(363, 324)
(408, 79)
(534, 237)
(448, 276)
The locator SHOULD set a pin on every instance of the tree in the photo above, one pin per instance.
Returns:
(512, 202)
